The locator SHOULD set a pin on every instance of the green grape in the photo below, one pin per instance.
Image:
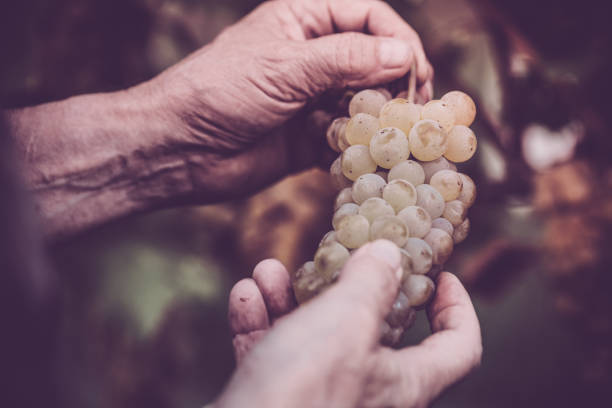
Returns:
(421, 254)
(343, 211)
(353, 231)
(329, 259)
(344, 196)
(463, 107)
(416, 219)
(391, 228)
(427, 140)
(408, 170)
(356, 160)
(461, 144)
(441, 244)
(444, 225)
(360, 129)
(432, 167)
(399, 194)
(388, 147)
(367, 101)
(339, 180)
(448, 183)
(440, 112)
(462, 231)
(430, 199)
(455, 212)
(307, 283)
(367, 186)
(418, 289)
(375, 207)
(401, 114)
(468, 191)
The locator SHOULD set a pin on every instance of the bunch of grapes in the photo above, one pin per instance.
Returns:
(397, 181)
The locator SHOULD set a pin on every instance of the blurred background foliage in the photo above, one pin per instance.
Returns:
(143, 300)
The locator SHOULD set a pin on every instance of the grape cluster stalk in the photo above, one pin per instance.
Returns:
(398, 181)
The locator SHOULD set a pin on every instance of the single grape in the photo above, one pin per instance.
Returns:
(441, 244)
(399, 194)
(463, 107)
(344, 196)
(440, 112)
(335, 131)
(455, 212)
(427, 140)
(416, 219)
(468, 191)
(391, 228)
(339, 180)
(353, 231)
(367, 101)
(462, 231)
(401, 114)
(329, 259)
(407, 266)
(408, 170)
(375, 207)
(390, 336)
(328, 238)
(401, 312)
(418, 289)
(307, 283)
(360, 129)
(430, 199)
(432, 167)
(448, 183)
(385, 92)
(389, 146)
(356, 160)
(421, 254)
(444, 225)
(343, 211)
(367, 186)
(461, 144)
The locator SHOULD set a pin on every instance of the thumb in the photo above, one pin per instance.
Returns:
(358, 60)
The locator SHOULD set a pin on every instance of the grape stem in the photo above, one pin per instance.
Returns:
(412, 83)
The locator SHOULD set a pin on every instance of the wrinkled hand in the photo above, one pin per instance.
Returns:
(326, 353)
(237, 101)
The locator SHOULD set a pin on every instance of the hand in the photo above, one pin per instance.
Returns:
(326, 353)
(239, 101)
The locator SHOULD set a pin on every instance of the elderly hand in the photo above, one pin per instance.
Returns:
(326, 353)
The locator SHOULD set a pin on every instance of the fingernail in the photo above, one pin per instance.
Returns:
(387, 252)
(394, 53)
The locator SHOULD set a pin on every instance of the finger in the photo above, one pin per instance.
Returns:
(323, 17)
(355, 60)
(247, 310)
(451, 352)
(243, 343)
(274, 284)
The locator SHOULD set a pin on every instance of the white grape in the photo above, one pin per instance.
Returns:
(343, 211)
(440, 112)
(407, 267)
(328, 238)
(432, 167)
(339, 180)
(385, 93)
(329, 259)
(375, 207)
(461, 144)
(344, 196)
(367, 186)
(389, 146)
(427, 140)
(455, 212)
(416, 219)
(421, 254)
(462, 231)
(367, 101)
(353, 231)
(418, 289)
(408, 170)
(401, 312)
(444, 225)
(401, 114)
(468, 191)
(307, 282)
(441, 244)
(448, 183)
(463, 107)
(391, 228)
(356, 160)
(399, 194)
(335, 131)
(360, 129)
(430, 199)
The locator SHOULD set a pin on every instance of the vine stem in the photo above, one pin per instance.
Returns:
(412, 83)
